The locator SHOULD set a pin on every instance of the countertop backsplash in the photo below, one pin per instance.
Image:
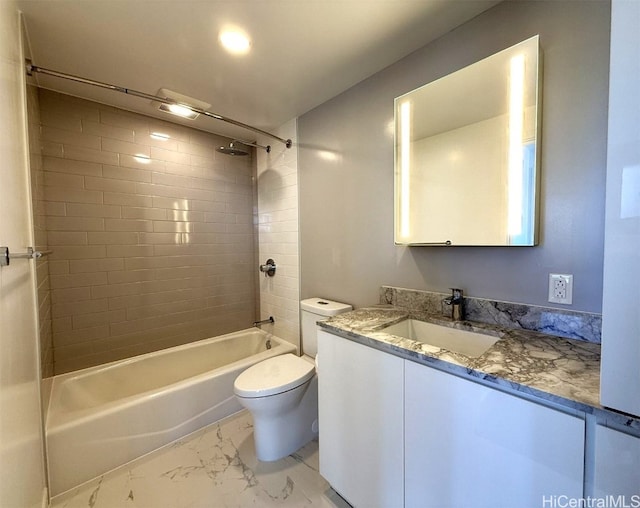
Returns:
(562, 323)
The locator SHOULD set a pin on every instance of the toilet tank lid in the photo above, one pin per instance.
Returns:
(324, 307)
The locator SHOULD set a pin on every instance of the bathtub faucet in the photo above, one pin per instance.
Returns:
(264, 321)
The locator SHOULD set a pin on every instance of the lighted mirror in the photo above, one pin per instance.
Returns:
(466, 161)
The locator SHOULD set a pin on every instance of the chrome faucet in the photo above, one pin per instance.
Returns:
(456, 303)
(257, 324)
(264, 322)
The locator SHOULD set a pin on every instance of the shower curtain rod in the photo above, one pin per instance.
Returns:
(163, 100)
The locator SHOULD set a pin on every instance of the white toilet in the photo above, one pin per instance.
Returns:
(282, 392)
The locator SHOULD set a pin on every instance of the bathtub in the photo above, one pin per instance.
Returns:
(102, 417)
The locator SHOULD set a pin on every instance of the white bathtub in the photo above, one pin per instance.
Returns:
(102, 417)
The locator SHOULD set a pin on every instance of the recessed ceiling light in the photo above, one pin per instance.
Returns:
(235, 42)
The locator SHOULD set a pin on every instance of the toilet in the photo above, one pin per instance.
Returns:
(282, 392)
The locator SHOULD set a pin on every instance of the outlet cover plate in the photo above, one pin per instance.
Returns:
(561, 288)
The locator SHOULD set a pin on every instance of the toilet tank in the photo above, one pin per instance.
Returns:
(314, 310)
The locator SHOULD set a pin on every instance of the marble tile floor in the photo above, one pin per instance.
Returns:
(215, 467)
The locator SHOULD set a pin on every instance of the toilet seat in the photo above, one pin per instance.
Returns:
(275, 375)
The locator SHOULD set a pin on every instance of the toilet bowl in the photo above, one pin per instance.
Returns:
(282, 392)
(282, 396)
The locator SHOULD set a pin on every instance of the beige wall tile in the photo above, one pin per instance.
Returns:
(88, 210)
(57, 268)
(165, 238)
(134, 149)
(75, 224)
(128, 224)
(68, 181)
(112, 237)
(54, 209)
(108, 131)
(71, 166)
(70, 295)
(78, 308)
(123, 119)
(65, 238)
(120, 173)
(98, 318)
(78, 280)
(96, 265)
(126, 251)
(113, 198)
(173, 180)
(145, 213)
(109, 185)
(60, 120)
(72, 195)
(170, 203)
(87, 335)
(148, 252)
(130, 161)
(80, 252)
(70, 138)
(169, 156)
(50, 149)
(185, 215)
(90, 155)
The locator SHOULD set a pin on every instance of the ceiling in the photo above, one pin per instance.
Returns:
(303, 52)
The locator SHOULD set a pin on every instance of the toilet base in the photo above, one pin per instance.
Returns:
(277, 436)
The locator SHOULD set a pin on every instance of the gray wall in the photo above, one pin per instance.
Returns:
(346, 169)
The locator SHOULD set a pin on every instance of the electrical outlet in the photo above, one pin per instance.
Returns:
(560, 288)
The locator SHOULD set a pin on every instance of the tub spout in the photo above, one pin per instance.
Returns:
(264, 321)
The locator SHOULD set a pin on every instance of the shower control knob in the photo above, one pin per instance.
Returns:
(269, 268)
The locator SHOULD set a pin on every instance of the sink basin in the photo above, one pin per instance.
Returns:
(468, 343)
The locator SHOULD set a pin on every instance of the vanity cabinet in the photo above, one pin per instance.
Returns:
(396, 433)
(617, 465)
(361, 422)
(471, 445)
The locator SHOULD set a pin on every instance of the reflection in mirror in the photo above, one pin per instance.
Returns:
(466, 163)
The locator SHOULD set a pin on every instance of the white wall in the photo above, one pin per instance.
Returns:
(21, 451)
(278, 233)
(346, 200)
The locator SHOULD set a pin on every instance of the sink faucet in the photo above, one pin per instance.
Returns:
(456, 302)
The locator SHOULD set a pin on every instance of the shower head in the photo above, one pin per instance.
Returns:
(234, 148)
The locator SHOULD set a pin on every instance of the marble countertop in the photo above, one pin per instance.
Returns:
(549, 368)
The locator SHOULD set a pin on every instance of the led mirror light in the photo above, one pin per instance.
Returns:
(405, 168)
(516, 153)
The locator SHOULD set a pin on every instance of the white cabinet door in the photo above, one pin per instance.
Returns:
(470, 445)
(361, 422)
(617, 466)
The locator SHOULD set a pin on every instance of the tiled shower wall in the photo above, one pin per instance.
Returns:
(152, 237)
(278, 226)
(40, 232)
